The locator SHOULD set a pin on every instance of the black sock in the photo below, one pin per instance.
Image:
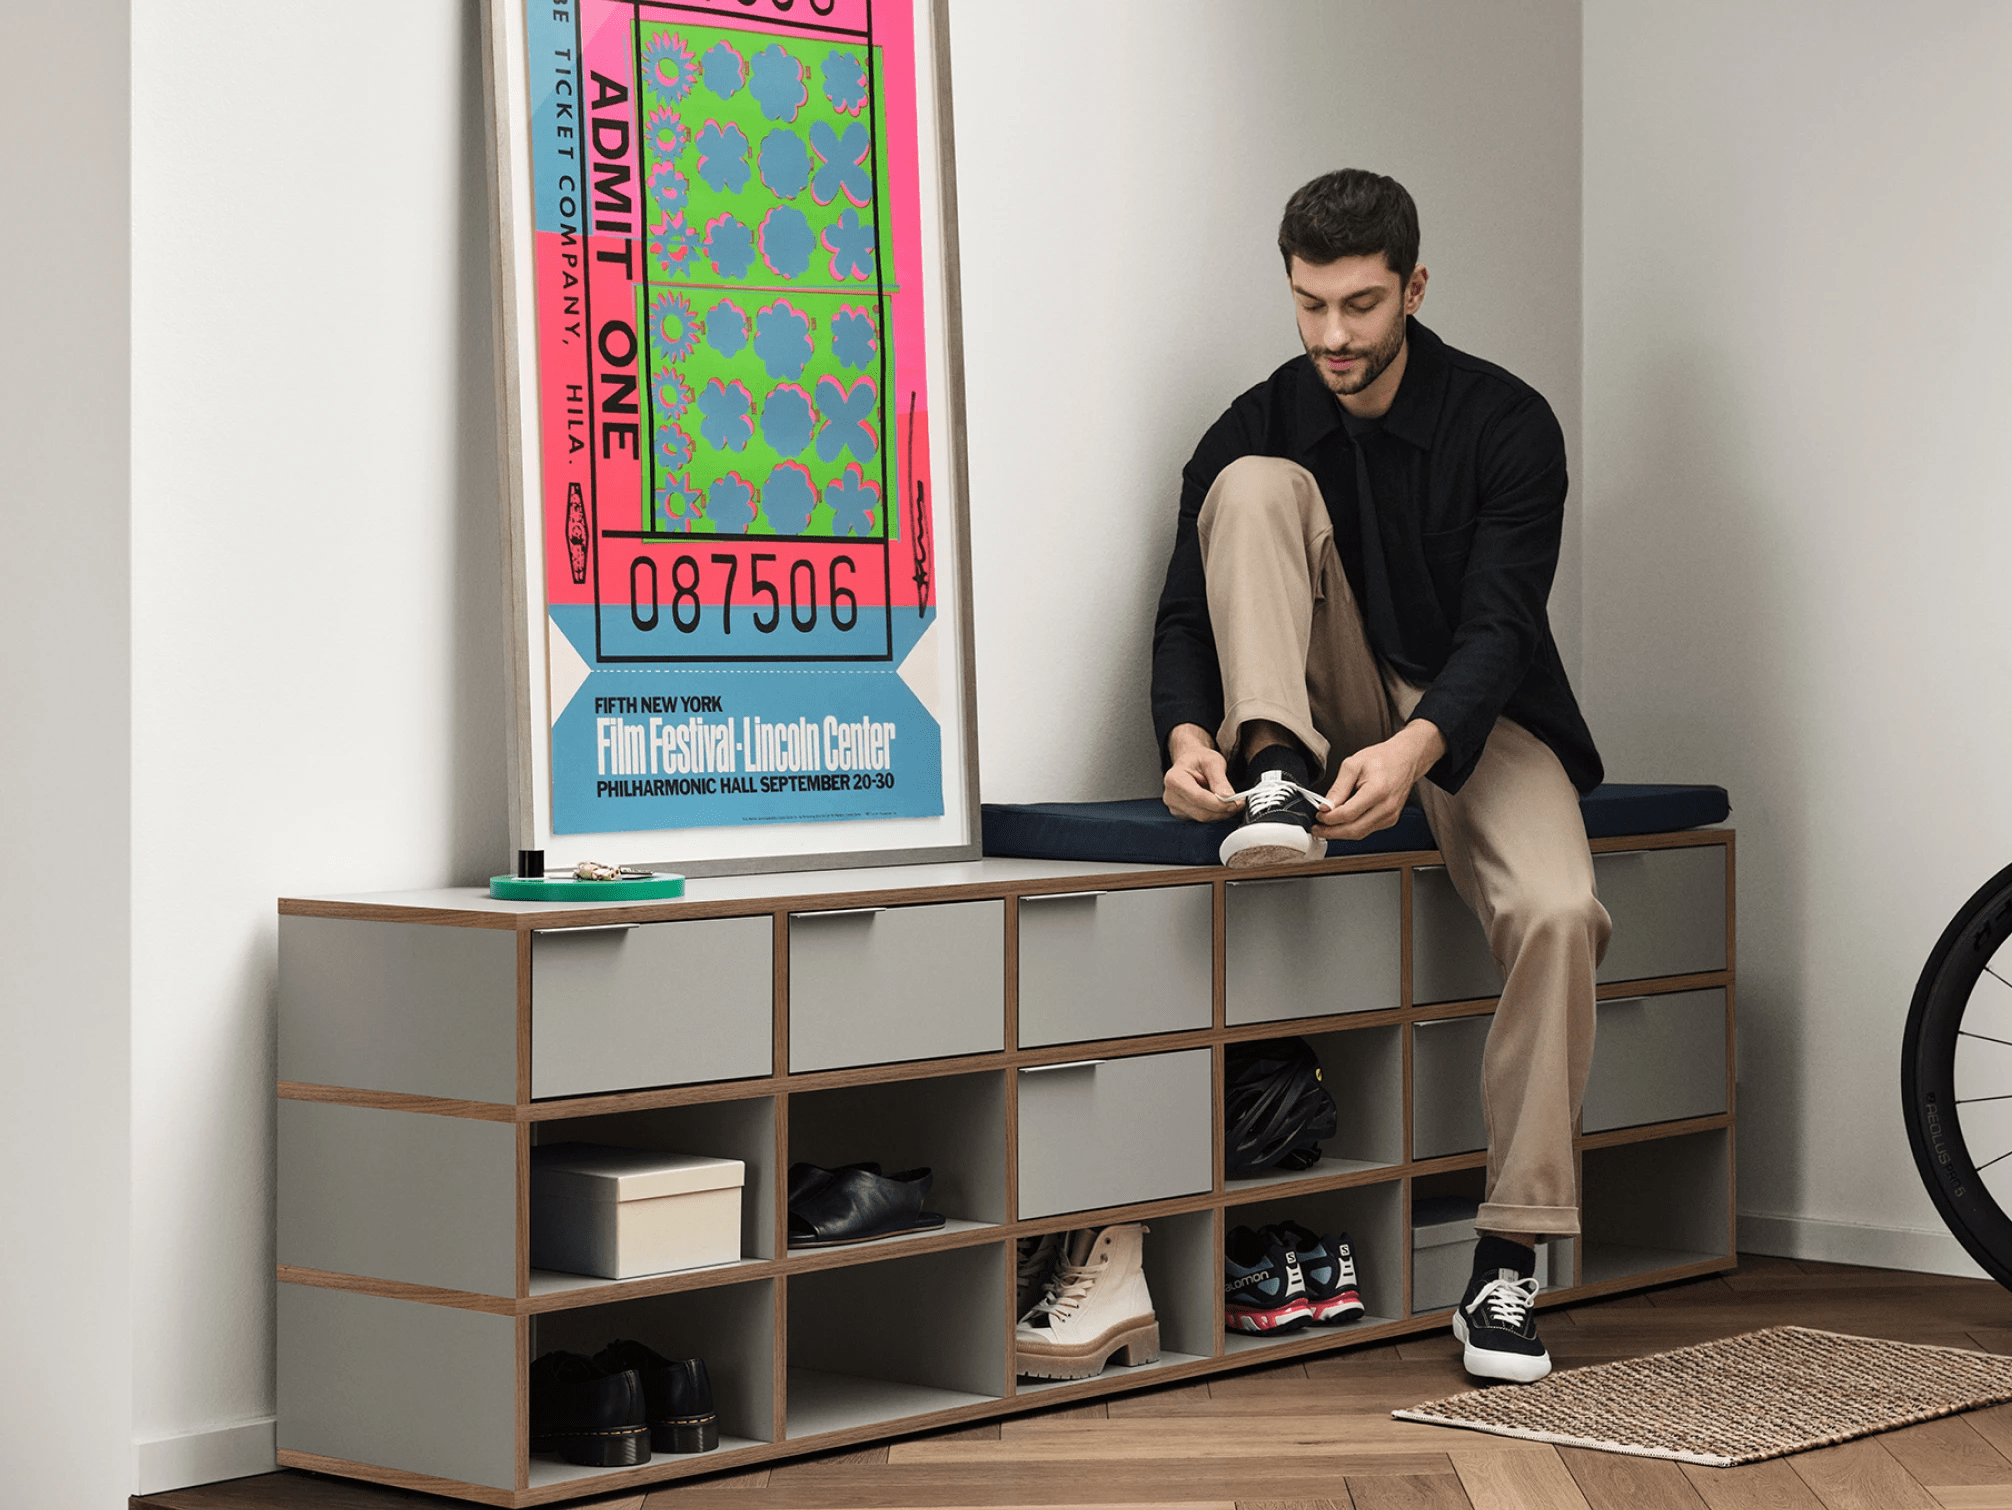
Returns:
(1492, 1253)
(1287, 758)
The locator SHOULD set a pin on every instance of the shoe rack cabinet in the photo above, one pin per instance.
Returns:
(1047, 1036)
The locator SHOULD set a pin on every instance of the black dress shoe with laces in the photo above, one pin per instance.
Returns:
(587, 1414)
(677, 1396)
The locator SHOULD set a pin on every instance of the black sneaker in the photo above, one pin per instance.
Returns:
(1278, 824)
(1263, 1290)
(1327, 1265)
(1495, 1322)
(677, 1396)
(587, 1414)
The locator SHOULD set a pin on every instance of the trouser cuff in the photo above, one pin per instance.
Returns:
(1544, 1221)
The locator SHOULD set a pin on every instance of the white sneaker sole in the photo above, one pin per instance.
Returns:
(1514, 1368)
(1270, 844)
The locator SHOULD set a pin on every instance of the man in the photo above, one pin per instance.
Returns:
(1355, 613)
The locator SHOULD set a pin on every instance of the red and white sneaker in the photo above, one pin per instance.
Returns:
(1263, 1290)
(1327, 1265)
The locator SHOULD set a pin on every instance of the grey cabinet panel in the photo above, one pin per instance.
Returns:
(1658, 1059)
(1114, 1131)
(1446, 1114)
(421, 1199)
(1115, 964)
(1669, 911)
(875, 987)
(427, 1389)
(657, 1004)
(1668, 907)
(1307, 946)
(429, 1011)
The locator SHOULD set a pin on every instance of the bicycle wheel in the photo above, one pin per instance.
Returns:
(1956, 1076)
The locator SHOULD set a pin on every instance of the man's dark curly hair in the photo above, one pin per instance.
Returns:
(1351, 213)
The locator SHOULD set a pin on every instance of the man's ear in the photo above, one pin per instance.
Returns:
(1414, 291)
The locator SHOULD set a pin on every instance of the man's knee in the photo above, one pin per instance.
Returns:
(1261, 482)
(1556, 915)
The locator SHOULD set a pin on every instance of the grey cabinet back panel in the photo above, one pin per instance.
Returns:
(1449, 952)
(1446, 1115)
(1115, 965)
(1114, 1132)
(398, 1007)
(1658, 1059)
(904, 983)
(1312, 945)
(398, 1195)
(426, 1389)
(657, 1004)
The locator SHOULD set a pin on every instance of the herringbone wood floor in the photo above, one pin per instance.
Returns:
(1319, 1434)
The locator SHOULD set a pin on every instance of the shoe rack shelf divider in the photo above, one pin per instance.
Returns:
(1048, 1036)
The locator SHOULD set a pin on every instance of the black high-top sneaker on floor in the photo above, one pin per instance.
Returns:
(1263, 1290)
(677, 1396)
(1279, 813)
(1495, 1321)
(586, 1414)
(1327, 1265)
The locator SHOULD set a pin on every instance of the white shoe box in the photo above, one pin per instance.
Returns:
(1442, 1252)
(620, 1213)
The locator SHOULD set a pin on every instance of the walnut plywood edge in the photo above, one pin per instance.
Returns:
(391, 1289)
(1649, 1132)
(398, 1101)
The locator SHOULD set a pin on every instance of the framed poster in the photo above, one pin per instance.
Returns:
(729, 371)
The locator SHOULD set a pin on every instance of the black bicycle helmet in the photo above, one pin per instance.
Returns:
(1275, 1110)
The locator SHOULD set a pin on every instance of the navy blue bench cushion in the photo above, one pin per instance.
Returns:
(1141, 831)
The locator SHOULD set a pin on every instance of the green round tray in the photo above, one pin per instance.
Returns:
(565, 889)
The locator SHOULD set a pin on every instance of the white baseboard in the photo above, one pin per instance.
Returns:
(203, 1457)
(1919, 1249)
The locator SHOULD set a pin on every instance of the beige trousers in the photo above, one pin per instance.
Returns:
(1290, 640)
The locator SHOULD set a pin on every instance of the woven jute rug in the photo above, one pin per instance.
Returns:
(1738, 1400)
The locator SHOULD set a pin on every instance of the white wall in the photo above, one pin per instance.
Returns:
(1797, 528)
(64, 757)
(1119, 200)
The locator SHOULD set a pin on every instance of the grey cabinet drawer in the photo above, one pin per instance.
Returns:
(1446, 1086)
(1114, 964)
(1308, 946)
(1114, 1131)
(1657, 1059)
(657, 1004)
(1668, 907)
(873, 986)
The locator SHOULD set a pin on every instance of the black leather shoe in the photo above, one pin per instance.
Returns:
(587, 1414)
(857, 1206)
(677, 1396)
(804, 1178)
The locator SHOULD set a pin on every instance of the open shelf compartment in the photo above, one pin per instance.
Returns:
(1654, 1205)
(1363, 1069)
(1372, 1218)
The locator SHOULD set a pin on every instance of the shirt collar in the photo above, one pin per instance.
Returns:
(1413, 414)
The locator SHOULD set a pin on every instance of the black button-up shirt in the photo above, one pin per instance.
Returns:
(1467, 477)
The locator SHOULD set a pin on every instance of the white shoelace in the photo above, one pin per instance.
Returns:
(1268, 794)
(1506, 1301)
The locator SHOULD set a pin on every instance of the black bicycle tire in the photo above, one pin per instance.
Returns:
(1928, 1078)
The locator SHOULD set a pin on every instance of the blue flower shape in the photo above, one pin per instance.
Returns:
(844, 169)
(673, 448)
(788, 497)
(723, 157)
(671, 243)
(731, 246)
(674, 328)
(668, 190)
(678, 502)
(782, 339)
(673, 399)
(785, 164)
(855, 503)
(666, 134)
(847, 419)
(786, 241)
(844, 83)
(727, 326)
(854, 339)
(787, 420)
(724, 70)
(668, 63)
(724, 422)
(849, 239)
(777, 81)
(730, 503)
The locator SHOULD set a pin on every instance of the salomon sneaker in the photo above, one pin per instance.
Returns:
(1279, 815)
(1263, 1289)
(1327, 1265)
(1494, 1323)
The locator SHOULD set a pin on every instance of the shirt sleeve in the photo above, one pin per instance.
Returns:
(1510, 564)
(1187, 677)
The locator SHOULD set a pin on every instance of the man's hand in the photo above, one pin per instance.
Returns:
(1198, 782)
(1369, 791)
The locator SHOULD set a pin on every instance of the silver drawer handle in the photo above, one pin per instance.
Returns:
(1060, 896)
(1073, 1064)
(835, 912)
(588, 928)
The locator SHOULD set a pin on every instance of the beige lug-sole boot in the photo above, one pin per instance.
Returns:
(1096, 1306)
